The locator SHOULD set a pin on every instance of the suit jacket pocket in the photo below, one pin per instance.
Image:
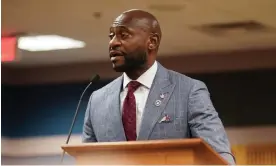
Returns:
(175, 128)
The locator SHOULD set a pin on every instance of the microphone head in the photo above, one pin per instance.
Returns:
(95, 78)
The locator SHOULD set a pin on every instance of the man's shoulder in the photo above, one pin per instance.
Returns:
(180, 77)
(187, 81)
(183, 79)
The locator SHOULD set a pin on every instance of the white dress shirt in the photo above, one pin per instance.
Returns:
(141, 94)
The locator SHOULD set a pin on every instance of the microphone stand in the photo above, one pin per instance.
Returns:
(96, 78)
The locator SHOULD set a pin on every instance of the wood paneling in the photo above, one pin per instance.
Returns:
(255, 154)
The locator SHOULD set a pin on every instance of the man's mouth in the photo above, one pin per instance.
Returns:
(115, 53)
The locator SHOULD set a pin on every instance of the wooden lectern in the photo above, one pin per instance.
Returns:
(161, 152)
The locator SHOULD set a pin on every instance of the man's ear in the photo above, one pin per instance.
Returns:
(154, 41)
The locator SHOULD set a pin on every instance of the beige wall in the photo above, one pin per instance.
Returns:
(198, 63)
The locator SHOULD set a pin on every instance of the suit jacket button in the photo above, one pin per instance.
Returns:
(157, 103)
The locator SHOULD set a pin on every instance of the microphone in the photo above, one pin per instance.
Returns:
(92, 80)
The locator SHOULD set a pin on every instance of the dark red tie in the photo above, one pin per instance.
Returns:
(129, 111)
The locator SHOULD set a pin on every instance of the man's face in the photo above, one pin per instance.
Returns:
(128, 44)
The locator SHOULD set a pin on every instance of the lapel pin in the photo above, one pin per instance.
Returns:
(166, 118)
(162, 96)
(158, 103)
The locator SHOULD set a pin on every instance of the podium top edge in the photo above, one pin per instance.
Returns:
(138, 143)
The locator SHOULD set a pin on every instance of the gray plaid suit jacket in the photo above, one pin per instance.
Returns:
(186, 102)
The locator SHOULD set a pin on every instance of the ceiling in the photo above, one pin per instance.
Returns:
(181, 22)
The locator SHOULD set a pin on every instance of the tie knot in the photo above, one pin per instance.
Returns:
(133, 85)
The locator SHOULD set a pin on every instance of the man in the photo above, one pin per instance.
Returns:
(149, 102)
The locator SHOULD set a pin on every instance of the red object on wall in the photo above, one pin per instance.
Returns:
(8, 49)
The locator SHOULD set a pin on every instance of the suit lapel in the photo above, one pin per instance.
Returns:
(156, 102)
(115, 117)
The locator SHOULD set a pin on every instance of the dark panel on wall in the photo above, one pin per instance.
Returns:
(44, 109)
(9, 101)
(241, 98)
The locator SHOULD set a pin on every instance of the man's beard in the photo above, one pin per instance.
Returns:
(133, 61)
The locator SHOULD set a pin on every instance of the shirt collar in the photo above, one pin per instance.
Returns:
(145, 79)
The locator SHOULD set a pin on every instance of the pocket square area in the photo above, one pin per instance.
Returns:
(165, 119)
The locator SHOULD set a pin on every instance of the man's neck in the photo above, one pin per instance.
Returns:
(135, 74)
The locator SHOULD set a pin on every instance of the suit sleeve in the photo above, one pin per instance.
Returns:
(88, 132)
(205, 123)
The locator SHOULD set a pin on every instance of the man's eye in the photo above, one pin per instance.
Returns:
(124, 35)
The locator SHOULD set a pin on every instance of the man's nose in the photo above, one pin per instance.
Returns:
(114, 43)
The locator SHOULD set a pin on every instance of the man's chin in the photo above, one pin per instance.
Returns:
(119, 68)
(125, 68)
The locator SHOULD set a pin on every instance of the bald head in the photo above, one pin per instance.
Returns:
(140, 19)
(149, 20)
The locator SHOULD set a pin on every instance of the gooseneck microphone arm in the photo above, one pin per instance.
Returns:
(94, 79)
